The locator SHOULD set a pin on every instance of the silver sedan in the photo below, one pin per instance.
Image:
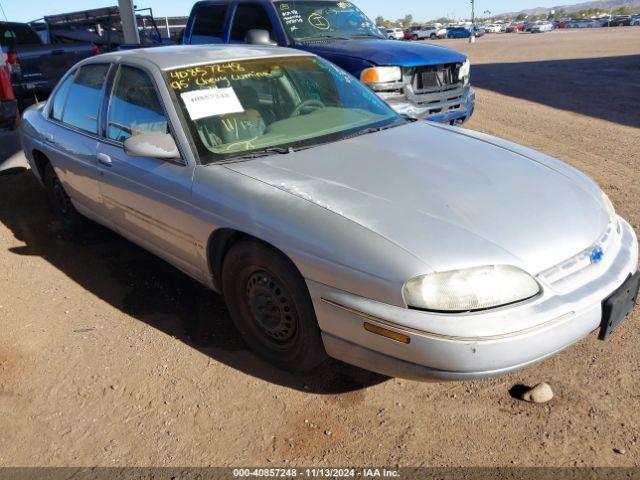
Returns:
(332, 225)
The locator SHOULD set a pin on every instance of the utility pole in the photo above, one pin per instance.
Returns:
(129, 22)
(472, 37)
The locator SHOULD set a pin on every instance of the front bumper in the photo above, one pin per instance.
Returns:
(442, 107)
(471, 346)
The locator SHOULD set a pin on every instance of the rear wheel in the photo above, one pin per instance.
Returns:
(271, 307)
(60, 203)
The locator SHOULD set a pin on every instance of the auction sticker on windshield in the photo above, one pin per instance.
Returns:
(211, 102)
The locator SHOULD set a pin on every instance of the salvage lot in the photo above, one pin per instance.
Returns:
(111, 357)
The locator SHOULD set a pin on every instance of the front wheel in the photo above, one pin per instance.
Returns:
(271, 307)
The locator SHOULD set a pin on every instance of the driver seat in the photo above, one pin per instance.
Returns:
(240, 127)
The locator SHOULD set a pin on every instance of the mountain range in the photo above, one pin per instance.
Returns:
(599, 4)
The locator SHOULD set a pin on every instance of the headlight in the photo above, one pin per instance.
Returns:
(381, 75)
(465, 70)
(471, 289)
(611, 210)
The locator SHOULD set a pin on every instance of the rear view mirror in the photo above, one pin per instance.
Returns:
(259, 37)
(152, 145)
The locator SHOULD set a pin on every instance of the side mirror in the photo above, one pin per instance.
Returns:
(259, 37)
(152, 145)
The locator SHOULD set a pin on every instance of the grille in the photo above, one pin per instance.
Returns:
(435, 78)
(608, 242)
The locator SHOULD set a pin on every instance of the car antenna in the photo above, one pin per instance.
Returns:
(3, 14)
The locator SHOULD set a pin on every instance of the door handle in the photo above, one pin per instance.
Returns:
(48, 138)
(104, 160)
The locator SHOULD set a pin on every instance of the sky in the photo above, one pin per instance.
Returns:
(25, 10)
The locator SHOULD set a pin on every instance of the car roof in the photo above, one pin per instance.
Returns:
(179, 56)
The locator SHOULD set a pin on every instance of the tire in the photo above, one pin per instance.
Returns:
(60, 203)
(270, 306)
(433, 36)
(415, 37)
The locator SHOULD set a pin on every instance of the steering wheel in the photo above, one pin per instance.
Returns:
(307, 104)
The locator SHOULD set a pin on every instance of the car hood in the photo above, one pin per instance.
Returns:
(450, 198)
(387, 52)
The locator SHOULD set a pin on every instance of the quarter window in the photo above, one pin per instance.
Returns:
(208, 24)
(134, 108)
(83, 104)
(249, 17)
(60, 98)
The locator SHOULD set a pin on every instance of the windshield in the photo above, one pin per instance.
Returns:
(235, 109)
(309, 20)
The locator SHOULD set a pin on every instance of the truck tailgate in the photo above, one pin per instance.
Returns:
(45, 64)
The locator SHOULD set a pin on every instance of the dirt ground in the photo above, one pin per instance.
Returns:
(110, 357)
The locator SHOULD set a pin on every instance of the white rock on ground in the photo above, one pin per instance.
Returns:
(541, 393)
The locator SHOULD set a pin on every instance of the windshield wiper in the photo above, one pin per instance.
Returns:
(266, 152)
(367, 35)
(320, 37)
(367, 131)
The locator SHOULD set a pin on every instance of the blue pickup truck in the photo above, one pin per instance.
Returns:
(420, 80)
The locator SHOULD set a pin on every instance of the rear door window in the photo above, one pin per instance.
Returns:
(249, 16)
(83, 103)
(134, 107)
(17, 34)
(209, 24)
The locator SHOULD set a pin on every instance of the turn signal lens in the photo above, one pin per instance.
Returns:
(381, 75)
(385, 332)
(471, 289)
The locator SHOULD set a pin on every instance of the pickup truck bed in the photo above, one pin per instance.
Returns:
(35, 66)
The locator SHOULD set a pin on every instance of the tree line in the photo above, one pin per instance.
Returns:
(408, 20)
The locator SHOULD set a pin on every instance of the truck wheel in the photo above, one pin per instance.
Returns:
(60, 203)
(270, 306)
(415, 37)
(433, 36)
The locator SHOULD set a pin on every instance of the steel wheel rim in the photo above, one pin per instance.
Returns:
(271, 308)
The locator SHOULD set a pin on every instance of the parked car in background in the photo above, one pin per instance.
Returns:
(441, 32)
(395, 33)
(542, 27)
(420, 80)
(620, 21)
(635, 21)
(511, 29)
(493, 28)
(431, 32)
(586, 23)
(465, 31)
(36, 67)
(458, 32)
(265, 174)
